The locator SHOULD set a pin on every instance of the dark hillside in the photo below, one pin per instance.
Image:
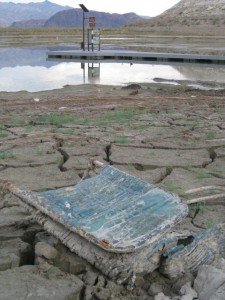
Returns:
(73, 18)
(12, 12)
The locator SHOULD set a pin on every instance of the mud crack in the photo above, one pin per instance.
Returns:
(212, 154)
(65, 157)
(167, 173)
(108, 152)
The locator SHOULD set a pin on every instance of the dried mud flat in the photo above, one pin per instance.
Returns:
(170, 135)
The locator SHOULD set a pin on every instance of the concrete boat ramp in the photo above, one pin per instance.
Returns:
(136, 57)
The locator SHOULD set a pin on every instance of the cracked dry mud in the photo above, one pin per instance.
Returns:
(173, 136)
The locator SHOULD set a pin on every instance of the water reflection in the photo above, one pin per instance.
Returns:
(194, 73)
(36, 78)
(27, 69)
(93, 70)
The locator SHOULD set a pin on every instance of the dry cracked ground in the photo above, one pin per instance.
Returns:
(170, 135)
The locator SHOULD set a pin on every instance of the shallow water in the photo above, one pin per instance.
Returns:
(28, 69)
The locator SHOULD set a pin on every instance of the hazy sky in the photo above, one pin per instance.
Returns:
(141, 7)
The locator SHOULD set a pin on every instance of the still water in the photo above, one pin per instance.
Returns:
(28, 69)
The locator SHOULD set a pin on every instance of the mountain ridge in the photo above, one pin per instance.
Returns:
(12, 12)
(200, 8)
(203, 16)
(73, 17)
(48, 14)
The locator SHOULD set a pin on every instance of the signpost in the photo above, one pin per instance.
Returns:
(93, 38)
(91, 22)
(85, 10)
(93, 34)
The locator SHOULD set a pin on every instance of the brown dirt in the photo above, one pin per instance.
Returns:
(173, 137)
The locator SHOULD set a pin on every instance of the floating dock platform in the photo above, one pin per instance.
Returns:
(132, 56)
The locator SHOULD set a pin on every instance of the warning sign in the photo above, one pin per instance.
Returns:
(93, 38)
(92, 22)
(91, 19)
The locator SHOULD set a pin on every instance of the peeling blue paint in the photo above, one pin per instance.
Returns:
(116, 211)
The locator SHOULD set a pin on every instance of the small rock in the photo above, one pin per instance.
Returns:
(103, 294)
(47, 238)
(77, 265)
(188, 292)
(133, 86)
(133, 93)
(9, 261)
(61, 257)
(45, 250)
(29, 282)
(161, 296)
(114, 287)
(88, 293)
(8, 200)
(219, 264)
(101, 281)
(155, 288)
(210, 283)
(14, 253)
(12, 214)
(139, 282)
(25, 231)
(91, 278)
(181, 281)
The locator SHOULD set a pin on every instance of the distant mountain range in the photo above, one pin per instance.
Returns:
(12, 12)
(73, 17)
(48, 14)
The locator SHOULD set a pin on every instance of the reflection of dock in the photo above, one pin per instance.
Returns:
(93, 72)
(109, 55)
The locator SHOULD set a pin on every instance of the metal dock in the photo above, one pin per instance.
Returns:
(132, 56)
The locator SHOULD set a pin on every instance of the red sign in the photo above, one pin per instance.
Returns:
(92, 25)
(91, 19)
(92, 22)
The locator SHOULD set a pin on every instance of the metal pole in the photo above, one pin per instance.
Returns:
(84, 10)
(83, 34)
